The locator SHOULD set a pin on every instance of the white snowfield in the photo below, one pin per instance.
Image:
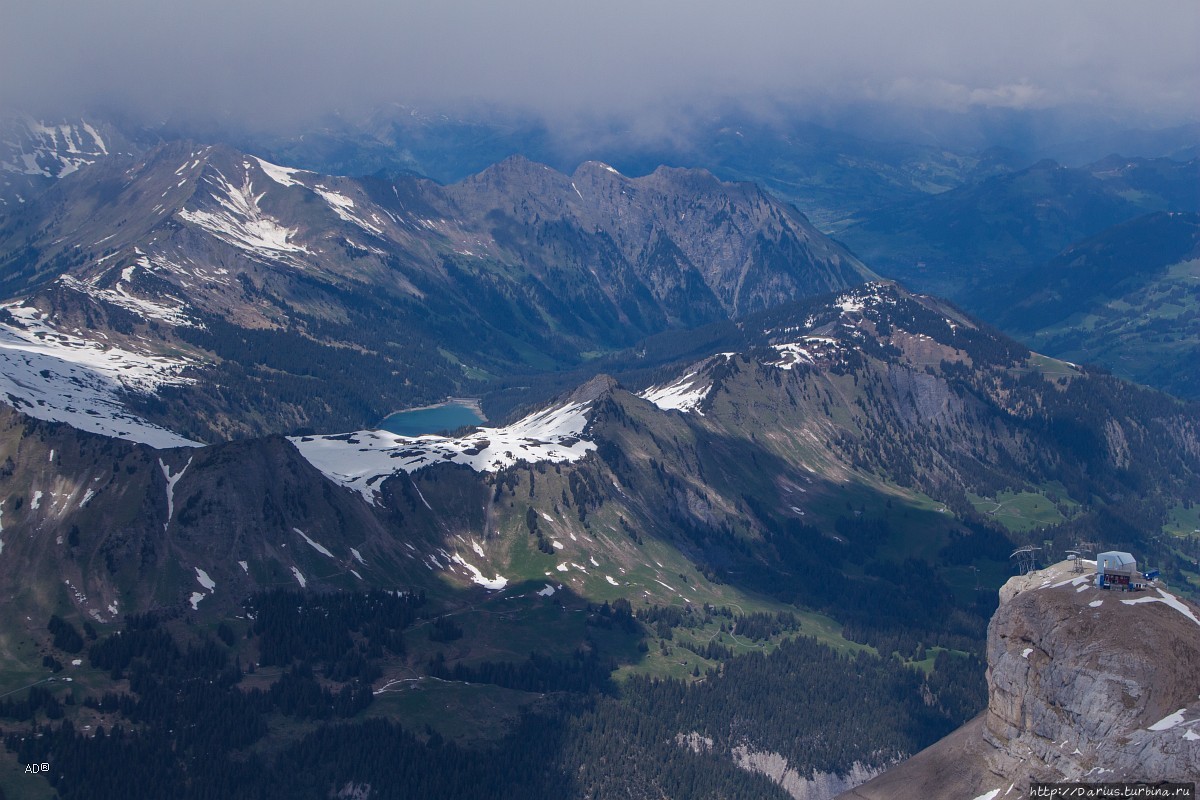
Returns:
(491, 584)
(284, 176)
(685, 394)
(55, 151)
(239, 221)
(805, 351)
(344, 208)
(362, 460)
(1169, 721)
(315, 545)
(205, 581)
(59, 377)
(1169, 599)
(173, 312)
(341, 205)
(868, 295)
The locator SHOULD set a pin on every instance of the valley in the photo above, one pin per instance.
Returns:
(684, 498)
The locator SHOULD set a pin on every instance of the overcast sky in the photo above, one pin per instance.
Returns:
(272, 60)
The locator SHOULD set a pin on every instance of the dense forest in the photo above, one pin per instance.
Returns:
(187, 718)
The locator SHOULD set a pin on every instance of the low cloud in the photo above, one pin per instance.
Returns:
(270, 61)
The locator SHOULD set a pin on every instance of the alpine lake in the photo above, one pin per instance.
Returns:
(447, 416)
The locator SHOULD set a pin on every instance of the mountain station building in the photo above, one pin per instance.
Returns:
(1118, 570)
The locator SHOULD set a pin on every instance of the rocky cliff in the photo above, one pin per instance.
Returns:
(1084, 685)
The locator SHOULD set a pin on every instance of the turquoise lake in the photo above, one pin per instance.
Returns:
(444, 417)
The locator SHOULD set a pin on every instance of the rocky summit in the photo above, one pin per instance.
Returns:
(1084, 685)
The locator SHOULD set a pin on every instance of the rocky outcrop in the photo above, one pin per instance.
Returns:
(1083, 685)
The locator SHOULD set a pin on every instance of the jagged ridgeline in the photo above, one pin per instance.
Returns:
(266, 299)
(712, 564)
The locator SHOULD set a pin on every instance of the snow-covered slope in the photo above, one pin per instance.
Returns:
(684, 394)
(363, 459)
(236, 218)
(33, 147)
(62, 377)
(35, 153)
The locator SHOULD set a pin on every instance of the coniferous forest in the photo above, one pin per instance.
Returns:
(187, 718)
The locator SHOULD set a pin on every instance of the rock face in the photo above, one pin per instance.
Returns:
(1083, 685)
(203, 252)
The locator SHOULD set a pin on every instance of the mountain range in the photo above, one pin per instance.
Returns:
(737, 525)
(273, 281)
(884, 436)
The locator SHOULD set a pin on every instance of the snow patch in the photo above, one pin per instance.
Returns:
(491, 584)
(59, 377)
(1169, 721)
(239, 221)
(300, 579)
(171, 481)
(281, 175)
(37, 500)
(362, 460)
(609, 578)
(315, 545)
(685, 394)
(205, 581)
(344, 207)
(358, 556)
(988, 795)
(1080, 582)
(549, 590)
(245, 567)
(1170, 600)
(1096, 603)
(173, 313)
(196, 598)
(418, 489)
(1026, 652)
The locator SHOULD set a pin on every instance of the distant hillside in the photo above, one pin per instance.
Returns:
(34, 153)
(833, 176)
(965, 242)
(1128, 298)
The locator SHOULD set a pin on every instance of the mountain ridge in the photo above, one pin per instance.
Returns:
(271, 277)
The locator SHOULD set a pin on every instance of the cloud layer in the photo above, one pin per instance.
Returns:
(273, 61)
